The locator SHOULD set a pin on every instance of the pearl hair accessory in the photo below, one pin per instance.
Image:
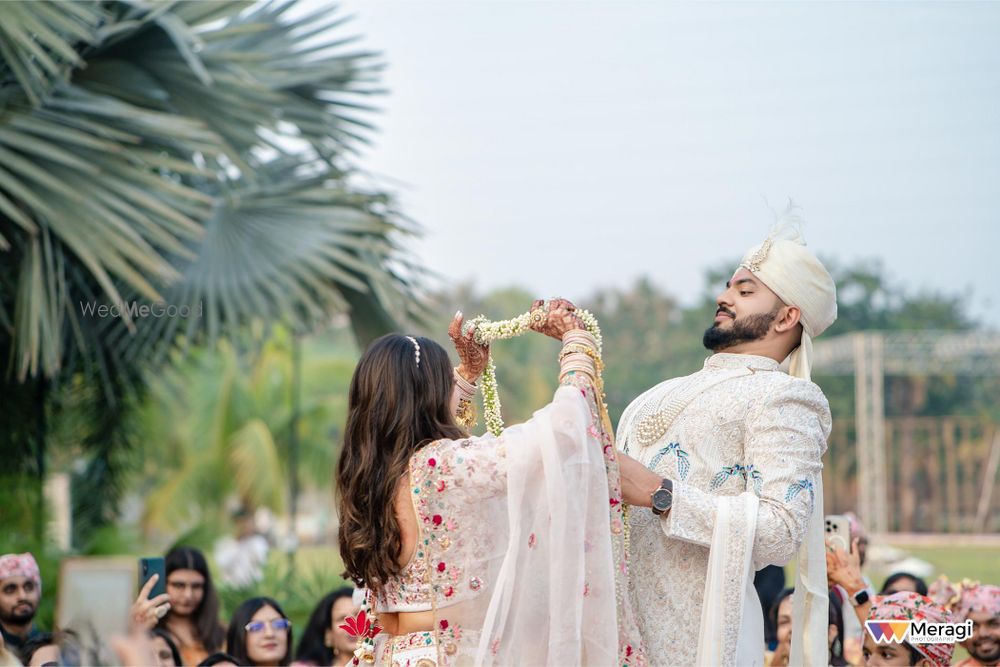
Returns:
(416, 349)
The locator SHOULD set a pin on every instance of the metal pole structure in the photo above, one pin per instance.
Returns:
(869, 414)
(989, 479)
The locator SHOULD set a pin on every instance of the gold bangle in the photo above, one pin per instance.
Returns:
(575, 348)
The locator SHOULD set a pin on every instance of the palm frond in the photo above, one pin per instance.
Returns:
(254, 459)
(39, 42)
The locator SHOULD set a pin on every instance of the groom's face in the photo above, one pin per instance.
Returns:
(744, 312)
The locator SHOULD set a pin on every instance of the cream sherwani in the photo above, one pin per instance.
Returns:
(744, 454)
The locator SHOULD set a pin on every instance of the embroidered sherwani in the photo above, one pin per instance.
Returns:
(743, 449)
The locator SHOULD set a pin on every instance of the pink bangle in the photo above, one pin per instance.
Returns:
(466, 388)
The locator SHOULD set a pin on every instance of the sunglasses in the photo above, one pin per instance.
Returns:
(275, 623)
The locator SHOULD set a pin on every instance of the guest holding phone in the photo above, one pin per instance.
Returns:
(189, 610)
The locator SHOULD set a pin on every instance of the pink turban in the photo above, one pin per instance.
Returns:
(910, 606)
(857, 528)
(978, 599)
(20, 565)
(943, 592)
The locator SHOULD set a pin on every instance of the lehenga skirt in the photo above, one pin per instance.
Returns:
(416, 649)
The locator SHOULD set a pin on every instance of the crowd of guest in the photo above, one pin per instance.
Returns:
(182, 626)
(903, 596)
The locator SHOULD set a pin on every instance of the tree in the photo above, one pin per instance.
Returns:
(215, 429)
(195, 155)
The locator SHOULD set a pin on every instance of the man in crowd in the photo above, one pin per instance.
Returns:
(20, 591)
(981, 604)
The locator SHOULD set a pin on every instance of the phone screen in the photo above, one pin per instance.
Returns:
(147, 568)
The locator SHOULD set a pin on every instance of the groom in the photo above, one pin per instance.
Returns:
(727, 473)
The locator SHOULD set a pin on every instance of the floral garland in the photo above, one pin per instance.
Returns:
(486, 332)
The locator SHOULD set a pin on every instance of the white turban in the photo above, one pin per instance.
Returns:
(790, 270)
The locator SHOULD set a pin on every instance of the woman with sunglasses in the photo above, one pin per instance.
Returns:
(260, 634)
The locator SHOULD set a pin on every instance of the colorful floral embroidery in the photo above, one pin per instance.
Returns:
(683, 464)
(723, 475)
(794, 489)
(746, 473)
(754, 476)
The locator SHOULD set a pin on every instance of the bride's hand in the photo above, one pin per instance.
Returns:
(557, 320)
(472, 356)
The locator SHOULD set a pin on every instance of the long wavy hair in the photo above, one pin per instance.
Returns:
(395, 407)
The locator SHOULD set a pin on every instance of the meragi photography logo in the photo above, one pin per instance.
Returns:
(918, 632)
(135, 309)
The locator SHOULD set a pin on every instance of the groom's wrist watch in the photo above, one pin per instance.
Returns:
(663, 497)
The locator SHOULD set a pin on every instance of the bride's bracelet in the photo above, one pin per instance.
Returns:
(465, 388)
(579, 362)
(581, 336)
(576, 348)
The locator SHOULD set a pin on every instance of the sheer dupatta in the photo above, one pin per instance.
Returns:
(543, 578)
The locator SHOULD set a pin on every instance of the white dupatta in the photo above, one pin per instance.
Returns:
(555, 594)
(732, 624)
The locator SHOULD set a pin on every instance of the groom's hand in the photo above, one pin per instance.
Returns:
(638, 481)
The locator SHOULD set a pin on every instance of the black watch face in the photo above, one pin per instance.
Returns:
(662, 499)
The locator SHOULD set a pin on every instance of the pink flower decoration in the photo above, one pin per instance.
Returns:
(360, 626)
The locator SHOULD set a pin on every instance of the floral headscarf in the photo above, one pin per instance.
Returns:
(20, 565)
(910, 606)
(978, 599)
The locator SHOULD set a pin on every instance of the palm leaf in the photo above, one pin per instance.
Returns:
(153, 172)
(254, 462)
(39, 40)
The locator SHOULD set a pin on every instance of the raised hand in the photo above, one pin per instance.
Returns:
(843, 568)
(557, 320)
(146, 612)
(473, 357)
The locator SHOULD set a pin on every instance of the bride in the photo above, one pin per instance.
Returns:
(482, 549)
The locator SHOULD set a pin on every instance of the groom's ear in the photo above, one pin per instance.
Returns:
(788, 318)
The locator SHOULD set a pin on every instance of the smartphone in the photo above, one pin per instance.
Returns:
(147, 568)
(838, 529)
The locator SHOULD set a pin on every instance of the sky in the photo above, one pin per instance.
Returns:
(571, 146)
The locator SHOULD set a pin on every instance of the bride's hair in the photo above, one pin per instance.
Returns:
(399, 401)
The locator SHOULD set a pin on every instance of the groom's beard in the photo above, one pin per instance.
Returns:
(744, 330)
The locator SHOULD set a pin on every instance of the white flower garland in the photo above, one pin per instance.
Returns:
(486, 332)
